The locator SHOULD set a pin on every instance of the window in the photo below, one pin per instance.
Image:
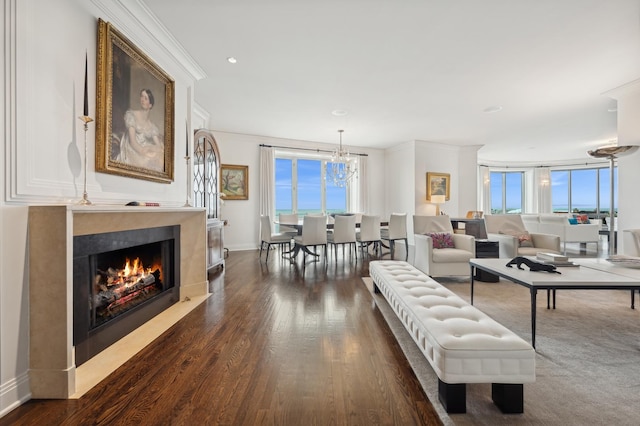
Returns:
(507, 192)
(582, 190)
(301, 187)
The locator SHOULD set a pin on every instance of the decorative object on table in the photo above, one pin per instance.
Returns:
(438, 184)
(234, 182)
(135, 98)
(532, 264)
(611, 152)
(143, 203)
(342, 167)
(624, 260)
(85, 120)
(187, 159)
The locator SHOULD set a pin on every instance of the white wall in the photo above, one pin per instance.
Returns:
(42, 91)
(628, 97)
(400, 186)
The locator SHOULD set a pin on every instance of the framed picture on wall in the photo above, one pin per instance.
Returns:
(135, 111)
(438, 184)
(234, 182)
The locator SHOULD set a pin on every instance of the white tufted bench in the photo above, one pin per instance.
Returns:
(462, 344)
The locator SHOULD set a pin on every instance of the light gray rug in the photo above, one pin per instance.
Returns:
(587, 364)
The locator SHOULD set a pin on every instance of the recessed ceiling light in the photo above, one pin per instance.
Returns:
(232, 60)
(339, 112)
(492, 109)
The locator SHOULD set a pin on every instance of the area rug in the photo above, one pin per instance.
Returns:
(587, 363)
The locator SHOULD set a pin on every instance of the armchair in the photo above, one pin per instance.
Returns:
(438, 262)
(505, 228)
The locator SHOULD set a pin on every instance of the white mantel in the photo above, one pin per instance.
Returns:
(51, 231)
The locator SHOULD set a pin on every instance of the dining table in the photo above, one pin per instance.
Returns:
(293, 253)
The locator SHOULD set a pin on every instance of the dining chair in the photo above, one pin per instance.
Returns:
(397, 231)
(269, 238)
(344, 232)
(369, 234)
(314, 234)
(285, 219)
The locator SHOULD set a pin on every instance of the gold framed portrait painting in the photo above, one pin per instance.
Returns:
(234, 182)
(438, 184)
(135, 111)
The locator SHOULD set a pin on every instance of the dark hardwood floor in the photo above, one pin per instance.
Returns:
(275, 344)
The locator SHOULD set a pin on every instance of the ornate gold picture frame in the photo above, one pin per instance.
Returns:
(438, 184)
(234, 182)
(135, 111)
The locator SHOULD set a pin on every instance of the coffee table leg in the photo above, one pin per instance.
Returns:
(534, 293)
(472, 274)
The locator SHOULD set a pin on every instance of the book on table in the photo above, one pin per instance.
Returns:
(552, 257)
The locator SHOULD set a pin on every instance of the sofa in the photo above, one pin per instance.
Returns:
(559, 224)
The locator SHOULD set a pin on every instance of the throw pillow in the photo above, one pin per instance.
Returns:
(441, 240)
(524, 238)
(582, 218)
(573, 221)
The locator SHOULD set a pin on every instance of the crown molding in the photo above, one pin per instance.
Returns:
(135, 20)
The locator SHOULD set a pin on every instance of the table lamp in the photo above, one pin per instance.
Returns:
(437, 200)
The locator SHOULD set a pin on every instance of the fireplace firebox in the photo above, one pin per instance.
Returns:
(120, 281)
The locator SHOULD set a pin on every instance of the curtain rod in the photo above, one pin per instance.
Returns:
(595, 163)
(309, 149)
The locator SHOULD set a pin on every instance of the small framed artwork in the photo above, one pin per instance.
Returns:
(438, 184)
(135, 111)
(234, 182)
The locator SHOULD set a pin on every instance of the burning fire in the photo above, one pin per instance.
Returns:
(135, 270)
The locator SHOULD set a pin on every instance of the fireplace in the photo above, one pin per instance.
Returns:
(120, 281)
(52, 248)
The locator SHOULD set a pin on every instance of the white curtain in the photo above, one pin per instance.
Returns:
(484, 182)
(542, 183)
(362, 195)
(267, 181)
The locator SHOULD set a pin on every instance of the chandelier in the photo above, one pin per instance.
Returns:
(342, 167)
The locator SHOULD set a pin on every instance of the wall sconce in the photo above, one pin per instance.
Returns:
(437, 200)
(544, 182)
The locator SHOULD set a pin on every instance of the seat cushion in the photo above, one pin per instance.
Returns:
(451, 255)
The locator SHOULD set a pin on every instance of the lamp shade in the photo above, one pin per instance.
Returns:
(613, 151)
(438, 199)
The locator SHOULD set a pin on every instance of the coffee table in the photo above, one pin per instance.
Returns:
(570, 278)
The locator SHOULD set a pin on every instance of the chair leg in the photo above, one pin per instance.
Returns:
(268, 250)
(406, 249)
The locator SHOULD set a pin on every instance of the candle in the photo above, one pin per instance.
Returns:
(187, 128)
(86, 96)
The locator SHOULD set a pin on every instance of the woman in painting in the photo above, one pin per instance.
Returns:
(142, 145)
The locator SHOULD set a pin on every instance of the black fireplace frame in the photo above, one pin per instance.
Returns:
(88, 342)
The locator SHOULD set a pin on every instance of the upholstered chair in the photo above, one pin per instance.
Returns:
(515, 240)
(344, 232)
(397, 231)
(268, 238)
(369, 234)
(314, 234)
(438, 250)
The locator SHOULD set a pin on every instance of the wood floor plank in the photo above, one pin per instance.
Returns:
(275, 343)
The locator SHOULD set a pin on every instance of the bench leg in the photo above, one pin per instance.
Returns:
(453, 397)
(508, 397)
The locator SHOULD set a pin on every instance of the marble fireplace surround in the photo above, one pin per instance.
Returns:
(52, 372)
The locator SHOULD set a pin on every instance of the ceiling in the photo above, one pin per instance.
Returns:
(415, 70)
